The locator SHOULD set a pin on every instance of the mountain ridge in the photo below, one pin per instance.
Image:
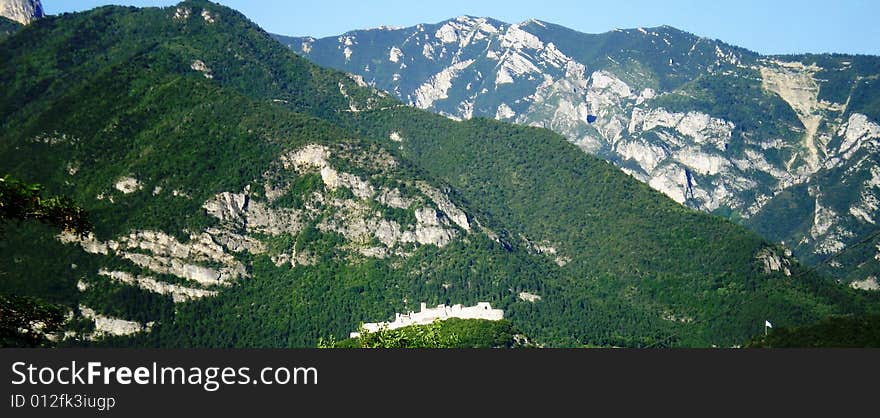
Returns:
(544, 23)
(243, 197)
(713, 126)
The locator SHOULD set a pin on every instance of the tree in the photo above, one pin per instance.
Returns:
(23, 201)
(416, 336)
(25, 321)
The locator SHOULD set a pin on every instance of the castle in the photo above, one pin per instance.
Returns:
(482, 310)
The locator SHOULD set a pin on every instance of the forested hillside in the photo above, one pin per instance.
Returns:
(785, 145)
(244, 197)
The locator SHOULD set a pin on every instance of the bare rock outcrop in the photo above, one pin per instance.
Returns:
(21, 11)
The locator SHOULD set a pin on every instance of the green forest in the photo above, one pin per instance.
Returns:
(92, 97)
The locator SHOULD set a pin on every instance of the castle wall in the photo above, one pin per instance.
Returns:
(482, 310)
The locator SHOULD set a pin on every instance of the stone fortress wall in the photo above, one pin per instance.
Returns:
(482, 310)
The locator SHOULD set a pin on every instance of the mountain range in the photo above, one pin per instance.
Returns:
(242, 196)
(784, 145)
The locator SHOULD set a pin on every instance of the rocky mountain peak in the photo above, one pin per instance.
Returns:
(22, 11)
(713, 126)
(243, 197)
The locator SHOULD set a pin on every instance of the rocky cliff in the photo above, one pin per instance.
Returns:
(712, 126)
(243, 197)
(21, 11)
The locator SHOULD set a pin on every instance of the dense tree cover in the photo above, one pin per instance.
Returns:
(416, 336)
(789, 215)
(20, 201)
(451, 333)
(295, 307)
(631, 268)
(738, 98)
(839, 332)
(24, 320)
(7, 27)
(622, 237)
(693, 74)
(690, 54)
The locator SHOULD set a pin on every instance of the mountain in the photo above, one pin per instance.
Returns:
(21, 11)
(243, 197)
(786, 145)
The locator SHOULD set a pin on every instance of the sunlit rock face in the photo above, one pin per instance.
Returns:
(21, 11)
(712, 126)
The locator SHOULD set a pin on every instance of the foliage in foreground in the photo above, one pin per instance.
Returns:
(452, 333)
(25, 321)
(836, 332)
(24, 201)
(631, 267)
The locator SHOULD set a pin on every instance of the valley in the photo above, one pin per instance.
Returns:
(243, 196)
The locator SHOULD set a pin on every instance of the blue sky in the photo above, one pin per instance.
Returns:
(768, 26)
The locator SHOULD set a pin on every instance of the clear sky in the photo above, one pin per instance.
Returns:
(766, 26)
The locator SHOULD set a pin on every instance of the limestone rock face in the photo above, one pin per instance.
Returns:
(161, 253)
(106, 325)
(391, 217)
(869, 284)
(771, 261)
(21, 11)
(714, 127)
